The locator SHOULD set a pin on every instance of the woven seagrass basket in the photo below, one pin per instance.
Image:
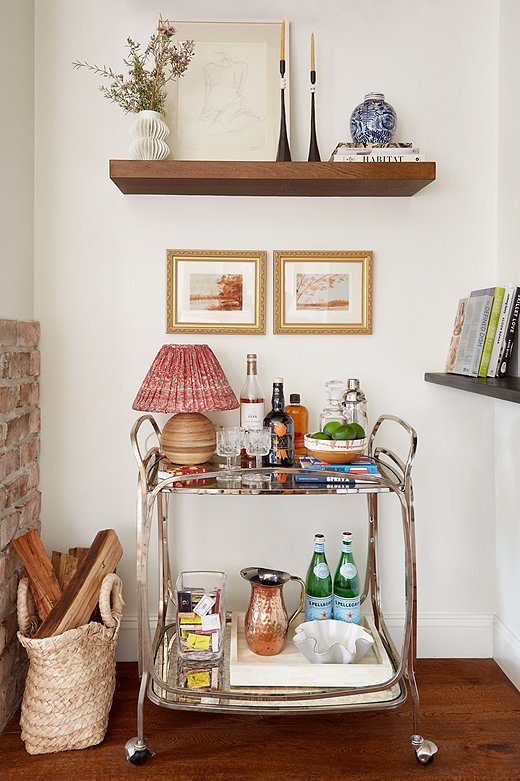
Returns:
(71, 678)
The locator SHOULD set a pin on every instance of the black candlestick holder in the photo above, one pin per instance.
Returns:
(314, 152)
(284, 153)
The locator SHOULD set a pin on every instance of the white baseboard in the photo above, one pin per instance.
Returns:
(506, 651)
(439, 636)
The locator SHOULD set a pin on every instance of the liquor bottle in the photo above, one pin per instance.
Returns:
(318, 584)
(300, 415)
(251, 405)
(282, 429)
(346, 584)
(251, 398)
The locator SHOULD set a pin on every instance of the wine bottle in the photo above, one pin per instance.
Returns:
(300, 415)
(282, 428)
(346, 584)
(251, 398)
(318, 584)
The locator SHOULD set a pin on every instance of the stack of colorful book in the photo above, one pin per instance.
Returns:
(346, 474)
(392, 152)
(484, 332)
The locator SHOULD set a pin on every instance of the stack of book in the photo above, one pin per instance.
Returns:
(393, 152)
(167, 469)
(484, 332)
(346, 474)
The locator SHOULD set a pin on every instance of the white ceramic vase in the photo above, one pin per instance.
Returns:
(148, 131)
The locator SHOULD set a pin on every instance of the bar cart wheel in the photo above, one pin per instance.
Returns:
(425, 750)
(137, 751)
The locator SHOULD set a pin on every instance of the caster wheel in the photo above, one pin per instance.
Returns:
(137, 751)
(425, 750)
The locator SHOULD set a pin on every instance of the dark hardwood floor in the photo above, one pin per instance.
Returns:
(469, 708)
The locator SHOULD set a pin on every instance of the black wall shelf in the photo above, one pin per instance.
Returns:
(506, 388)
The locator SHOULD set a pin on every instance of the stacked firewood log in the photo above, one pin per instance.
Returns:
(66, 586)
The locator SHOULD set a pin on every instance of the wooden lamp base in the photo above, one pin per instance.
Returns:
(188, 438)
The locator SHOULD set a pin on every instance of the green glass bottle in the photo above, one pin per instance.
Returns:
(346, 584)
(318, 584)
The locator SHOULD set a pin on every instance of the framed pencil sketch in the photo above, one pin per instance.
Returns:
(215, 291)
(323, 292)
(227, 104)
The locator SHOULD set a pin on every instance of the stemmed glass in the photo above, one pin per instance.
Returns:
(229, 442)
(257, 443)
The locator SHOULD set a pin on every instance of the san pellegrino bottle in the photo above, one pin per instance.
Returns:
(346, 584)
(282, 428)
(318, 584)
(251, 398)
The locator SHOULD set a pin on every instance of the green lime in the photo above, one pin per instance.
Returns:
(330, 427)
(360, 431)
(345, 432)
(319, 435)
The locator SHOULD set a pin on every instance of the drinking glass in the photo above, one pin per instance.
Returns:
(257, 443)
(229, 442)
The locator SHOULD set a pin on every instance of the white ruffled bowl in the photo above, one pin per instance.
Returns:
(332, 642)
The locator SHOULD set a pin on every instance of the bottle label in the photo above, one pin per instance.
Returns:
(252, 414)
(319, 547)
(347, 547)
(282, 448)
(318, 608)
(348, 570)
(321, 570)
(347, 609)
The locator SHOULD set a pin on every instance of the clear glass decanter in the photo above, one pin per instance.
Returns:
(333, 410)
(354, 405)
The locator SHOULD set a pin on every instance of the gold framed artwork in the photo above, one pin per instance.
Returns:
(227, 104)
(215, 291)
(323, 292)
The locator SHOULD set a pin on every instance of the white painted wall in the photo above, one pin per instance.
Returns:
(100, 293)
(17, 145)
(507, 416)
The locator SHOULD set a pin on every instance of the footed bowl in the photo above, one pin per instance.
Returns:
(332, 642)
(335, 451)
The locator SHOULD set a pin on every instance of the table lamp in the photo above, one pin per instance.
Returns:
(186, 379)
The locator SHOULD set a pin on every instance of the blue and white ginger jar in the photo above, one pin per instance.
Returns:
(373, 121)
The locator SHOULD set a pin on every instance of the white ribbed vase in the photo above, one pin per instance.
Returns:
(149, 131)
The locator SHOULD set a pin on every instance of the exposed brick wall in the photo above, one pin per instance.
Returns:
(19, 495)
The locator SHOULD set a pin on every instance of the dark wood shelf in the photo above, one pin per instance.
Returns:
(187, 177)
(506, 388)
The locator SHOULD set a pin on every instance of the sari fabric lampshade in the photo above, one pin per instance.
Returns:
(186, 379)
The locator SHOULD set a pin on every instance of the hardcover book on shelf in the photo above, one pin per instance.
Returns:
(167, 469)
(453, 349)
(375, 157)
(501, 330)
(362, 465)
(473, 332)
(510, 334)
(489, 340)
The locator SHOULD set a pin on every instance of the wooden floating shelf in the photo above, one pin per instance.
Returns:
(505, 388)
(187, 177)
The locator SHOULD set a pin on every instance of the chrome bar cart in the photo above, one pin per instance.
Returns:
(158, 662)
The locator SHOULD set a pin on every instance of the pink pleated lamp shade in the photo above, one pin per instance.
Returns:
(185, 378)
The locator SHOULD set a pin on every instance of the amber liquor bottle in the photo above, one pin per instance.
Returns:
(282, 428)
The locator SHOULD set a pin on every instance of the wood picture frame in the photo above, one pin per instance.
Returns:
(323, 291)
(226, 106)
(215, 291)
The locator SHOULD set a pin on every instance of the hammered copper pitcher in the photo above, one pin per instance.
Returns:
(266, 622)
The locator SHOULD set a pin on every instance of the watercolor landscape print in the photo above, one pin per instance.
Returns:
(216, 292)
(320, 292)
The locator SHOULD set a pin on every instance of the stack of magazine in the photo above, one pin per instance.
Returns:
(346, 474)
(392, 152)
(484, 332)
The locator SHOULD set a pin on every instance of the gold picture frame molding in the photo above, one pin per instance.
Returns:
(363, 257)
(173, 257)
